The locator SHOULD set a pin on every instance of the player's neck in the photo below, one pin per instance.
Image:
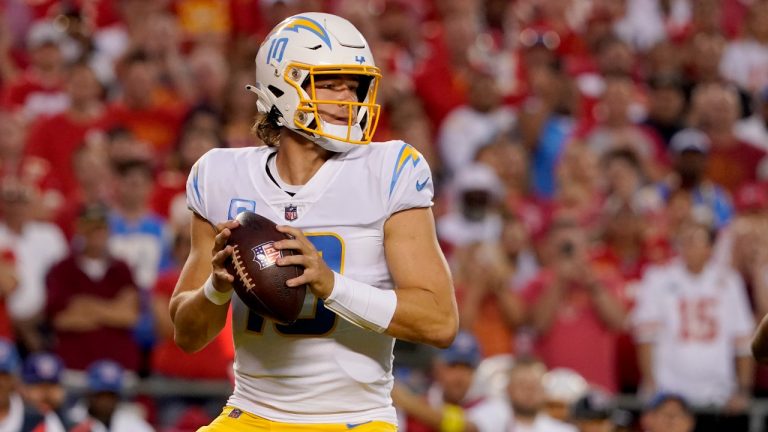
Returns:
(298, 159)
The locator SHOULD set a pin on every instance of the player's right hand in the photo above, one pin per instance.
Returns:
(222, 280)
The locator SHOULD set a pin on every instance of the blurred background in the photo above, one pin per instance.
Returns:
(601, 197)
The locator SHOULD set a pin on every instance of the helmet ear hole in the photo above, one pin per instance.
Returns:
(274, 116)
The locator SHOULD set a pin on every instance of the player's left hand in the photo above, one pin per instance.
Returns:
(317, 275)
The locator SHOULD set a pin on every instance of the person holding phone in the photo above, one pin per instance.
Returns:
(575, 308)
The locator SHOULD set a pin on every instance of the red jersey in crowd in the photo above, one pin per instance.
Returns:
(31, 96)
(576, 326)
(55, 140)
(734, 165)
(157, 125)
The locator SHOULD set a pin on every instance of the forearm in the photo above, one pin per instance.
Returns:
(425, 317)
(121, 312)
(74, 320)
(196, 319)
(452, 417)
(645, 362)
(119, 317)
(426, 309)
(66, 323)
(469, 308)
(745, 374)
(760, 290)
(609, 309)
(511, 308)
(760, 342)
(416, 407)
(544, 309)
(8, 70)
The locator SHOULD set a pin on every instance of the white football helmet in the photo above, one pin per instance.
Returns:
(290, 59)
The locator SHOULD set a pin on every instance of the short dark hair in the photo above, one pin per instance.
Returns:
(135, 56)
(124, 168)
(623, 154)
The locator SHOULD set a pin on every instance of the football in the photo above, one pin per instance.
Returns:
(259, 281)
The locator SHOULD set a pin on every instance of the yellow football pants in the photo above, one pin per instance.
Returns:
(241, 421)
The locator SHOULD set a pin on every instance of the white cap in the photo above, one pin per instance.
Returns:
(564, 385)
(690, 140)
(43, 32)
(479, 176)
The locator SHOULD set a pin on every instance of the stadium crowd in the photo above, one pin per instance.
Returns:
(602, 198)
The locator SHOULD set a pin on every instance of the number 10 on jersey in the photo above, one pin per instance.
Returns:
(323, 321)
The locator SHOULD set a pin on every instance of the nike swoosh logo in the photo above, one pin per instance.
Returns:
(354, 425)
(420, 185)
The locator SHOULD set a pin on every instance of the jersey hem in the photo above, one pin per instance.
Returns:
(386, 414)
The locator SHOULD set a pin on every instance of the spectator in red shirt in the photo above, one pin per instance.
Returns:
(94, 185)
(8, 282)
(704, 53)
(732, 162)
(169, 189)
(31, 170)
(92, 299)
(579, 194)
(145, 107)
(632, 229)
(617, 129)
(441, 78)
(39, 89)
(210, 74)
(573, 305)
(55, 139)
(488, 303)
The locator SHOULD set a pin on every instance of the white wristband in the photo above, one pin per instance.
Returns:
(215, 296)
(361, 304)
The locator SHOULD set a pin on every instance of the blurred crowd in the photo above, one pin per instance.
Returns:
(601, 172)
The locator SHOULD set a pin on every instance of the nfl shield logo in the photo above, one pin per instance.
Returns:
(265, 255)
(291, 212)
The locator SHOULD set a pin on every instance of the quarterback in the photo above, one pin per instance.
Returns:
(360, 214)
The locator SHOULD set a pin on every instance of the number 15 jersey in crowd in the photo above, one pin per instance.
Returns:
(321, 369)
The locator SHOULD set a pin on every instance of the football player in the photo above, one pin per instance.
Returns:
(363, 231)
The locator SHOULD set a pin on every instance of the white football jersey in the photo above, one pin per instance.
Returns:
(698, 325)
(321, 369)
